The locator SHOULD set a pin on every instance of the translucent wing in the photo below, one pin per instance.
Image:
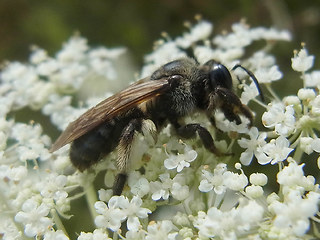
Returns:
(118, 103)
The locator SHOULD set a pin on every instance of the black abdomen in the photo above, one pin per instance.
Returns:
(91, 147)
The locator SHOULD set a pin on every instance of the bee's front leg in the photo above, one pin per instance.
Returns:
(231, 106)
(190, 130)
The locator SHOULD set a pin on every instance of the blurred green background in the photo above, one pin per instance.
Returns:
(137, 24)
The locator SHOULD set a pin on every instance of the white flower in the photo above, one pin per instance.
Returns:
(249, 92)
(55, 235)
(204, 54)
(315, 105)
(261, 59)
(253, 146)
(214, 181)
(48, 68)
(182, 160)
(18, 80)
(289, 216)
(38, 55)
(227, 55)
(9, 229)
(119, 208)
(292, 176)
(312, 79)
(254, 191)
(277, 150)
(234, 181)
(60, 111)
(162, 189)
(70, 77)
(100, 60)
(179, 191)
(39, 94)
(305, 144)
(259, 179)
(306, 94)
(109, 216)
(280, 118)
(301, 61)
(34, 217)
(105, 195)
(161, 230)
(32, 144)
(139, 185)
(11, 173)
(132, 210)
(229, 224)
(53, 188)
(181, 219)
(165, 53)
(200, 31)
(308, 144)
(237, 39)
(268, 75)
(73, 50)
(136, 235)
(315, 145)
(97, 234)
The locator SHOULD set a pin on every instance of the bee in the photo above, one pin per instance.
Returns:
(177, 89)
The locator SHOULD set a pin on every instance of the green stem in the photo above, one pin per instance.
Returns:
(265, 106)
(115, 236)
(58, 221)
(297, 154)
(273, 93)
(91, 198)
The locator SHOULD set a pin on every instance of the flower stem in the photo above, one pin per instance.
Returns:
(297, 154)
(58, 221)
(91, 198)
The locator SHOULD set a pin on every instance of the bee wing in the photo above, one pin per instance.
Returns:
(118, 103)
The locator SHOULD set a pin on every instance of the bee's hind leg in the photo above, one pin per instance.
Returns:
(145, 126)
(124, 152)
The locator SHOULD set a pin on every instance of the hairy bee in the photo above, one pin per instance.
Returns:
(176, 89)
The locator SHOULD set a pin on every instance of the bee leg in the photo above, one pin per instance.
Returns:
(124, 152)
(190, 130)
(231, 106)
(232, 111)
(119, 182)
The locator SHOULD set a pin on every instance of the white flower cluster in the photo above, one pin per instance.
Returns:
(176, 190)
(35, 190)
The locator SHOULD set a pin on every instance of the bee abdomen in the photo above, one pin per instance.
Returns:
(94, 145)
(91, 147)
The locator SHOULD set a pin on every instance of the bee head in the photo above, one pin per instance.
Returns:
(183, 67)
(219, 75)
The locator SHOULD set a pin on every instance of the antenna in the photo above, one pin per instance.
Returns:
(252, 77)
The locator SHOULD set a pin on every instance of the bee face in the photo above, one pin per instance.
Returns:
(176, 89)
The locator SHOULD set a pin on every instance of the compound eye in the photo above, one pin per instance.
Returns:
(220, 76)
(175, 80)
(175, 77)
